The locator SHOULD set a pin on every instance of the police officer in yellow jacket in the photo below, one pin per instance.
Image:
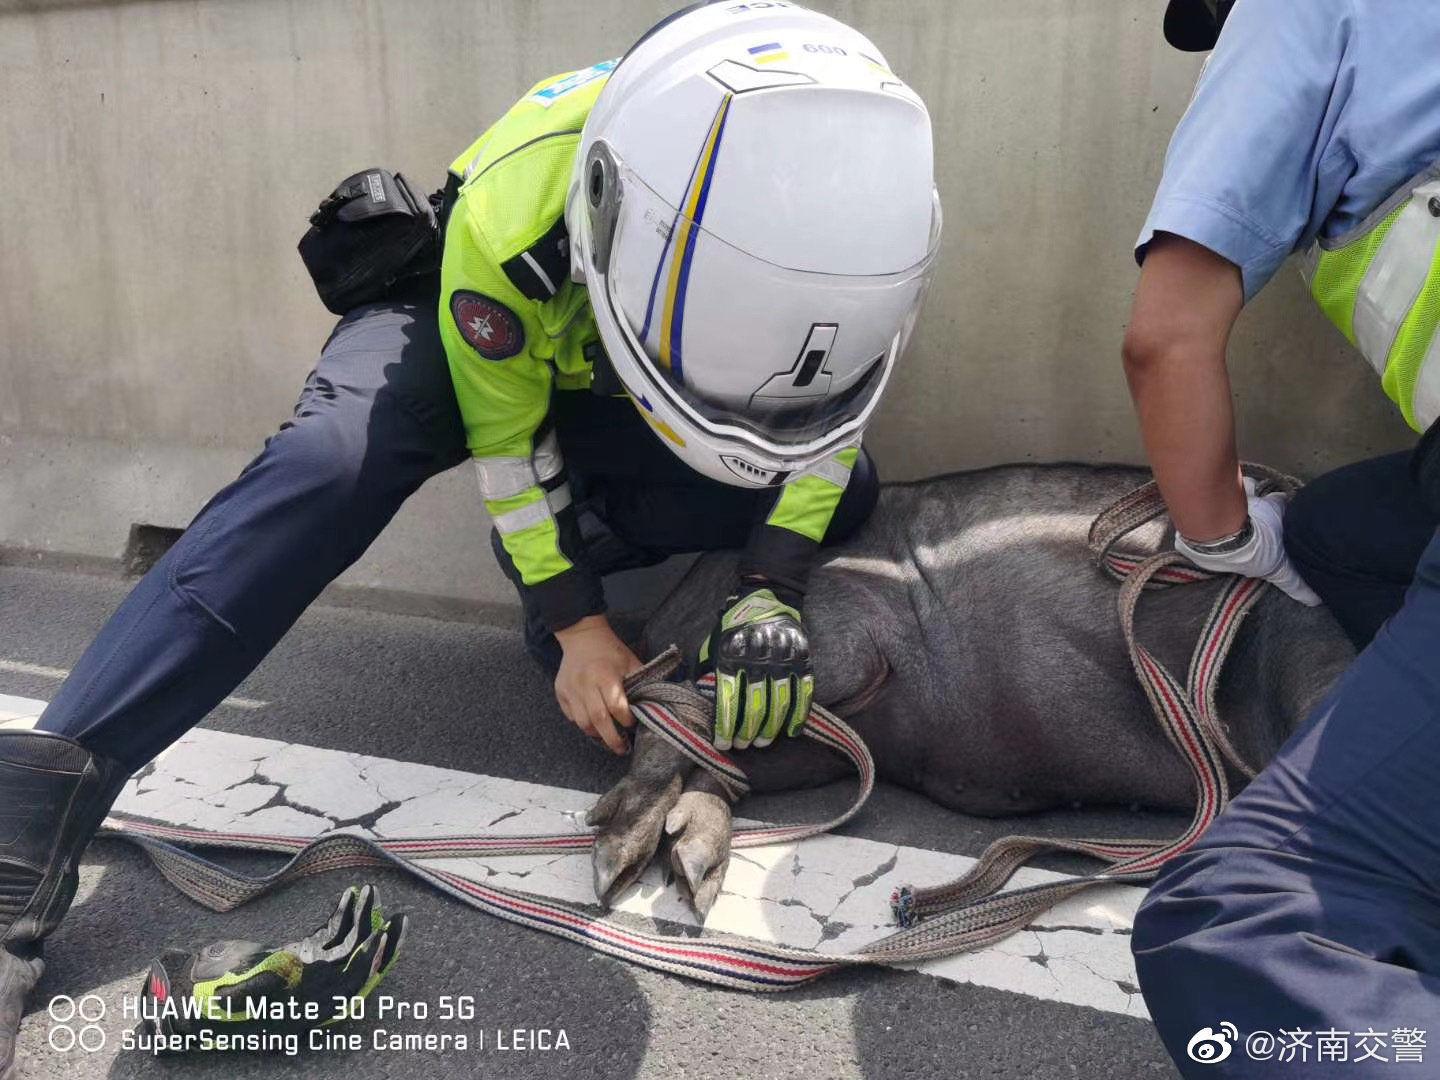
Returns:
(672, 292)
(743, 292)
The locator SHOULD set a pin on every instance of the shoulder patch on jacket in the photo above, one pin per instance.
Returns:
(488, 326)
(539, 271)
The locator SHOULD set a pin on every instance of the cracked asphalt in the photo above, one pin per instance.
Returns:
(464, 696)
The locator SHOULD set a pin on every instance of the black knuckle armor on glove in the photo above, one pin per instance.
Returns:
(764, 679)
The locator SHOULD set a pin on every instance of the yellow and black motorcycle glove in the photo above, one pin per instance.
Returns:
(240, 987)
(763, 675)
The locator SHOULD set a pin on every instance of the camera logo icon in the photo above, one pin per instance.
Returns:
(76, 1023)
(1208, 1046)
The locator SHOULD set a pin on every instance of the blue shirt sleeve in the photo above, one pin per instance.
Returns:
(1245, 161)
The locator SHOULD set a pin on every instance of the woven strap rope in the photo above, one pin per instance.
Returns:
(1186, 712)
(960, 916)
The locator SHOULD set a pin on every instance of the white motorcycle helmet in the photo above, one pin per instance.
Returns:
(753, 212)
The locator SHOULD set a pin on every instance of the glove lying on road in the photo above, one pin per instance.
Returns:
(1262, 555)
(763, 676)
(237, 986)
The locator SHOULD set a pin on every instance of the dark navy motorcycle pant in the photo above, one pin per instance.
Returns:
(1313, 902)
(375, 420)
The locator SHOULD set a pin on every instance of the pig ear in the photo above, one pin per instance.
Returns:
(604, 810)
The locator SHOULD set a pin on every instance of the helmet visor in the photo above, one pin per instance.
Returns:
(786, 356)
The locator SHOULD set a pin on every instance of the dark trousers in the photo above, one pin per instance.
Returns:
(1313, 903)
(1356, 535)
(376, 419)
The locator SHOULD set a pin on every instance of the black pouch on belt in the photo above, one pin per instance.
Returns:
(1425, 467)
(374, 234)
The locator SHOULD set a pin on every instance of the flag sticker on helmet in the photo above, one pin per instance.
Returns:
(769, 53)
(687, 234)
(488, 326)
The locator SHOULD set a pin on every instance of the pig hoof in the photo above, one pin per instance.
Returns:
(699, 828)
(630, 817)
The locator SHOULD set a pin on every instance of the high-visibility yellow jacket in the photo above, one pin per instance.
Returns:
(516, 328)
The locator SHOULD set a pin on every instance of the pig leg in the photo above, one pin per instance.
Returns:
(699, 831)
(631, 815)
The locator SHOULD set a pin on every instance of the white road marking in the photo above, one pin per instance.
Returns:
(18, 711)
(19, 667)
(830, 893)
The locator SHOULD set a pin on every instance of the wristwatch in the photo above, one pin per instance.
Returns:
(1226, 544)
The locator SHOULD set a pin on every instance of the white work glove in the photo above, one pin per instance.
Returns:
(1263, 555)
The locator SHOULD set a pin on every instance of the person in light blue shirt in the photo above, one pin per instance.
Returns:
(1306, 118)
(1313, 903)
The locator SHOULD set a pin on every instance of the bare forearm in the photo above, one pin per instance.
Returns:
(1188, 427)
(1185, 307)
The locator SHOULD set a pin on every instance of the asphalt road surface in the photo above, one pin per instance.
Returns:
(464, 696)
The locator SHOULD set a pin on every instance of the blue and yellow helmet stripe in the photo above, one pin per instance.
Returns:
(684, 239)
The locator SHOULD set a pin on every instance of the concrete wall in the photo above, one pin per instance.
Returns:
(160, 159)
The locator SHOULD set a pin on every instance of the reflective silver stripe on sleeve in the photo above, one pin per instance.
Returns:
(523, 518)
(548, 462)
(1426, 402)
(832, 470)
(535, 513)
(558, 499)
(506, 477)
(1395, 278)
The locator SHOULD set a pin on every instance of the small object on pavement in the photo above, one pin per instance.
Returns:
(242, 986)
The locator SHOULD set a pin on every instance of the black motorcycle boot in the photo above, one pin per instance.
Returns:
(53, 796)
